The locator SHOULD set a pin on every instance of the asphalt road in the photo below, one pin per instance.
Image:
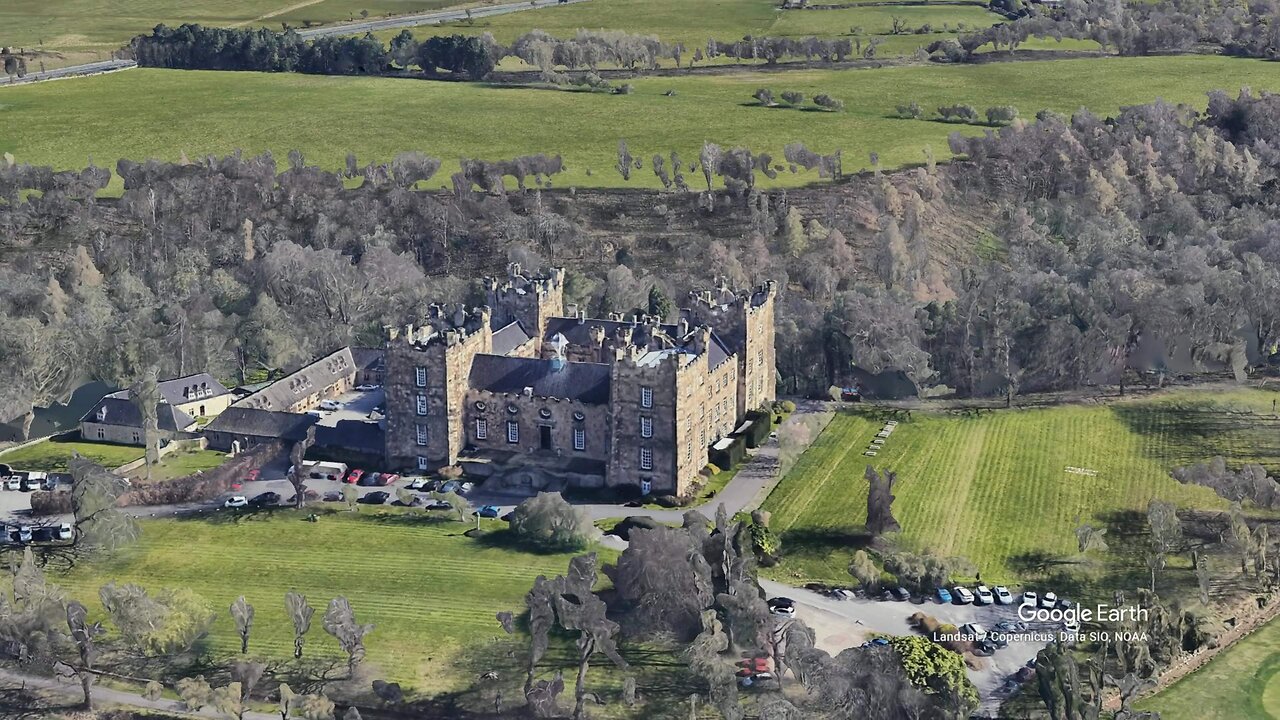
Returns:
(351, 28)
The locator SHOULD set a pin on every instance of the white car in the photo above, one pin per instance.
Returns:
(236, 501)
(466, 487)
(367, 388)
(1003, 597)
(1071, 625)
(962, 595)
(330, 405)
(64, 531)
(1029, 597)
(24, 534)
(870, 453)
(12, 483)
(1049, 600)
(983, 595)
(417, 484)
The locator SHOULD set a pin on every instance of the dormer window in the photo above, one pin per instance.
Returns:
(102, 414)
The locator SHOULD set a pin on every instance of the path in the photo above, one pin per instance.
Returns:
(277, 12)
(109, 696)
(350, 28)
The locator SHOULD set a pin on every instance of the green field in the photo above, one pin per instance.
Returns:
(161, 114)
(52, 455)
(429, 590)
(726, 21)
(100, 26)
(995, 488)
(1243, 683)
(183, 463)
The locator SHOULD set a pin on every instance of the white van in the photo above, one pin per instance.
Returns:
(324, 470)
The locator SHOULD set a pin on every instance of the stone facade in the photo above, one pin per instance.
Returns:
(630, 402)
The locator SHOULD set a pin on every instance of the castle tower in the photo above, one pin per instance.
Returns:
(745, 322)
(531, 300)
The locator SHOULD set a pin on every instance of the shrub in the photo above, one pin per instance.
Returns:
(624, 89)
(765, 542)
(793, 98)
(549, 522)
(764, 95)
(711, 469)
(958, 114)
(1002, 114)
(826, 101)
(911, 111)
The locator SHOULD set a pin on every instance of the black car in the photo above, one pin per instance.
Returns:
(266, 498)
(781, 602)
(375, 498)
(368, 479)
(333, 496)
(438, 505)
(416, 501)
(900, 594)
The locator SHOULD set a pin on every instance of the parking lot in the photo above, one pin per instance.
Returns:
(841, 624)
(356, 405)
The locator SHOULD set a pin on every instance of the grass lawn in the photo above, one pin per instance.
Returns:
(1243, 683)
(996, 489)
(430, 591)
(143, 114)
(184, 463)
(53, 455)
(100, 26)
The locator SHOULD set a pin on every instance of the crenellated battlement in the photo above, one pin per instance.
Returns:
(442, 324)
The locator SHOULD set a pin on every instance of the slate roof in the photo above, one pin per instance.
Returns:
(191, 388)
(509, 338)
(352, 435)
(262, 423)
(579, 333)
(585, 382)
(120, 411)
(369, 358)
(310, 379)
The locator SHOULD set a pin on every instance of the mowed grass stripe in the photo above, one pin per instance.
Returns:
(996, 487)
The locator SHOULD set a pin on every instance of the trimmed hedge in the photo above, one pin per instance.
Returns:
(732, 455)
(758, 433)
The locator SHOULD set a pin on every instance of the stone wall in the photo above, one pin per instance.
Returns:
(118, 434)
(627, 388)
(532, 413)
(531, 300)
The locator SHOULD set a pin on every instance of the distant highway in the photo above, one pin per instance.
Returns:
(351, 28)
(92, 68)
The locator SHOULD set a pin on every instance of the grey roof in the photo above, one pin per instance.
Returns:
(120, 411)
(369, 358)
(509, 338)
(352, 435)
(262, 423)
(310, 379)
(191, 388)
(718, 353)
(585, 382)
(579, 333)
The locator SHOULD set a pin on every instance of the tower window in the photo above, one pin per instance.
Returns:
(646, 458)
(646, 426)
(482, 429)
(422, 434)
(646, 397)
(420, 376)
(513, 431)
(579, 439)
(422, 404)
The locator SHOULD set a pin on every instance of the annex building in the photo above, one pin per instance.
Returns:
(533, 394)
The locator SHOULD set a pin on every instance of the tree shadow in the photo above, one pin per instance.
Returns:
(822, 540)
(1194, 432)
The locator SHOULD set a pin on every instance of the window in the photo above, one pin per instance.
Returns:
(544, 413)
(760, 359)
(420, 376)
(423, 464)
(482, 429)
(480, 405)
(422, 404)
(579, 439)
(102, 434)
(513, 431)
(646, 397)
(646, 426)
(646, 458)
(422, 434)
(136, 439)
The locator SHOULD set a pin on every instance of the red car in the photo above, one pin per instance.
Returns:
(354, 476)
(387, 479)
(253, 475)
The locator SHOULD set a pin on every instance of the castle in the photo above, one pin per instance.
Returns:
(534, 394)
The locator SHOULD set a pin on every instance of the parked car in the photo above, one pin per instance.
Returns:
(900, 594)
(962, 595)
(308, 495)
(1003, 597)
(1048, 600)
(451, 486)
(783, 606)
(1071, 625)
(466, 487)
(488, 511)
(1011, 626)
(354, 476)
(333, 496)
(367, 388)
(13, 483)
(374, 498)
(266, 498)
(417, 483)
(24, 534)
(65, 531)
(330, 405)
(415, 501)
(1065, 604)
(438, 505)
(253, 475)
(385, 479)
(974, 629)
(944, 595)
(982, 595)
(874, 642)
(1029, 597)
(367, 479)
(843, 594)
(236, 501)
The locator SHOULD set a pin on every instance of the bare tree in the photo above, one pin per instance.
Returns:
(298, 474)
(242, 614)
(1166, 535)
(300, 614)
(82, 634)
(340, 622)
